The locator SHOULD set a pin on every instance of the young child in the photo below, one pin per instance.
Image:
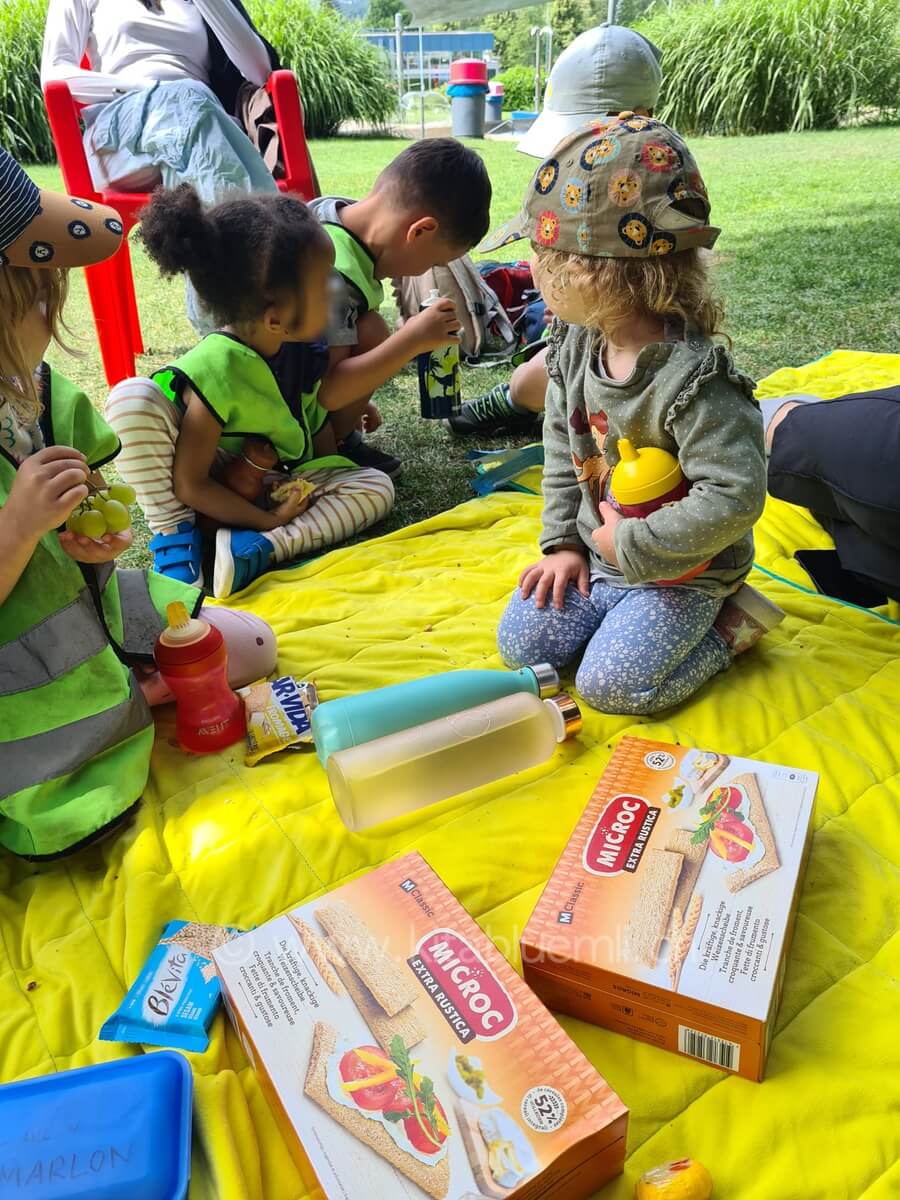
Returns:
(261, 264)
(76, 634)
(618, 217)
(430, 206)
(604, 71)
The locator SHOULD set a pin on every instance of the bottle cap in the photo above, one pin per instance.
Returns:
(567, 714)
(547, 679)
(182, 628)
(433, 295)
(643, 475)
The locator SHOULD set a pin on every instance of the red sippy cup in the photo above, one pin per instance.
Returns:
(193, 661)
(644, 481)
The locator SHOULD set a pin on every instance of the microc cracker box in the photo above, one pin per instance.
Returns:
(669, 915)
(404, 1057)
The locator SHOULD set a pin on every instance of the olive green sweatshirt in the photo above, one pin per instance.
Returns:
(686, 396)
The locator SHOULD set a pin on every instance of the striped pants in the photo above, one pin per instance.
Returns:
(345, 501)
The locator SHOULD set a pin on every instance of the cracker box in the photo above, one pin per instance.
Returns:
(405, 1058)
(669, 915)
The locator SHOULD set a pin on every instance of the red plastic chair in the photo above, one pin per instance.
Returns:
(111, 283)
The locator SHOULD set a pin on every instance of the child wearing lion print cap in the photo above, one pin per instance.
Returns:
(618, 218)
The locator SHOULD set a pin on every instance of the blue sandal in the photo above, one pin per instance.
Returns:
(179, 555)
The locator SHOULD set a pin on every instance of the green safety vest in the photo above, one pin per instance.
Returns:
(238, 387)
(75, 729)
(354, 261)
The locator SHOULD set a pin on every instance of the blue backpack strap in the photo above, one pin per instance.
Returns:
(495, 470)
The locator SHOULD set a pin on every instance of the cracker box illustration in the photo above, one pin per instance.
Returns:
(668, 916)
(405, 1058)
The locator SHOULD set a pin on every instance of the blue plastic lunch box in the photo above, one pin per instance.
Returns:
(117, 1131)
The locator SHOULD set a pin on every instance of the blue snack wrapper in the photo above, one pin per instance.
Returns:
(174, 999)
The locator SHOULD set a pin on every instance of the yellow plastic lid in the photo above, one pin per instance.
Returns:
(643, 475)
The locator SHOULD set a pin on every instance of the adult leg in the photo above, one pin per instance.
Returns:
(146, 424)
(512, 407)
(655, 647)
(839, 460)
(528, 634)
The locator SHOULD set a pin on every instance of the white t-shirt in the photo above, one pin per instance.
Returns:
(130, 47)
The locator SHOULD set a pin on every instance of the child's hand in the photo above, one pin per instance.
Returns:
(437, 325)
(93, 551)
(371, 418)
(292, 507)
(555, 573)
(48, 485)
(604, 538)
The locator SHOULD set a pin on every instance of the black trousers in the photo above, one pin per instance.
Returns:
(841, 460)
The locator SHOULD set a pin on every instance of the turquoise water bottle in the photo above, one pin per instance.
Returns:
(353, 720)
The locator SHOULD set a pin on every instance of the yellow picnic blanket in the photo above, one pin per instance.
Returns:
(215, 841)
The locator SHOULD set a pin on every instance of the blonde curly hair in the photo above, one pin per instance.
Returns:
(617, 289)
(20, 290)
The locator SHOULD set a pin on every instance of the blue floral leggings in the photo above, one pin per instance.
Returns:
(645, 649)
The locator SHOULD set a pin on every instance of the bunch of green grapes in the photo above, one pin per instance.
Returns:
(103, 512)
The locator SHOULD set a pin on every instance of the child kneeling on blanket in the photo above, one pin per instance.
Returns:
(76, 633)
(618, 218)
(261, 264)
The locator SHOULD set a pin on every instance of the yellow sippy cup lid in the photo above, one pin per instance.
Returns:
(643, 475)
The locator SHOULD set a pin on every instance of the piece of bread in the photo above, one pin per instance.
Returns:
(384, 1028)
(298, 484)
(681, 935)
(651, 911)
(435, 1180)
(759, 819)
(317, 949)
(392, 988)
(679, 841)
(476, 1152)
(706, 778)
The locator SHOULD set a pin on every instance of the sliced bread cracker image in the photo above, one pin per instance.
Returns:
(404, 1025)
(658, 878)
(434, 1180)
(318, 950)
(393, 988)
(759, 819)
(680, 842)
(709, 768)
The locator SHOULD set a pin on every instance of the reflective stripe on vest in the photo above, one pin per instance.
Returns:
(45, 756)
(141, 621)
(64, 640)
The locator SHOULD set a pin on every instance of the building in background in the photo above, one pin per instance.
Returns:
(438, 49)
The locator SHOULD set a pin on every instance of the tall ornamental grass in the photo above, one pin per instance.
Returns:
(342, 76)
(23, 122)
(762, 66)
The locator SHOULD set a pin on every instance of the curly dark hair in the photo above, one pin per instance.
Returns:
(446, 179)
(241, 255)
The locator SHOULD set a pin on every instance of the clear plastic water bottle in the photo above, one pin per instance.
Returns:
(440, 394)
(383, 779)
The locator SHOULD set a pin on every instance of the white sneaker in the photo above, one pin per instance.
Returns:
(745, 617)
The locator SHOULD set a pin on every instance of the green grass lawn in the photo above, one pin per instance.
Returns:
(808, 261)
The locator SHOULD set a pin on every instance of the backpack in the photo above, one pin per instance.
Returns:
(487, 331)
(513, 285)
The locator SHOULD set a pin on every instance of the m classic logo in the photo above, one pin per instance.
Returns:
(473, 1001)
(620, 836)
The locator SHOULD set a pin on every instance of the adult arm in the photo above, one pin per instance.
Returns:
(239, 41)
(66, 37)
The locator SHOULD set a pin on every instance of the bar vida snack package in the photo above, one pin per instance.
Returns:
(669, 915)
(405, 1058)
